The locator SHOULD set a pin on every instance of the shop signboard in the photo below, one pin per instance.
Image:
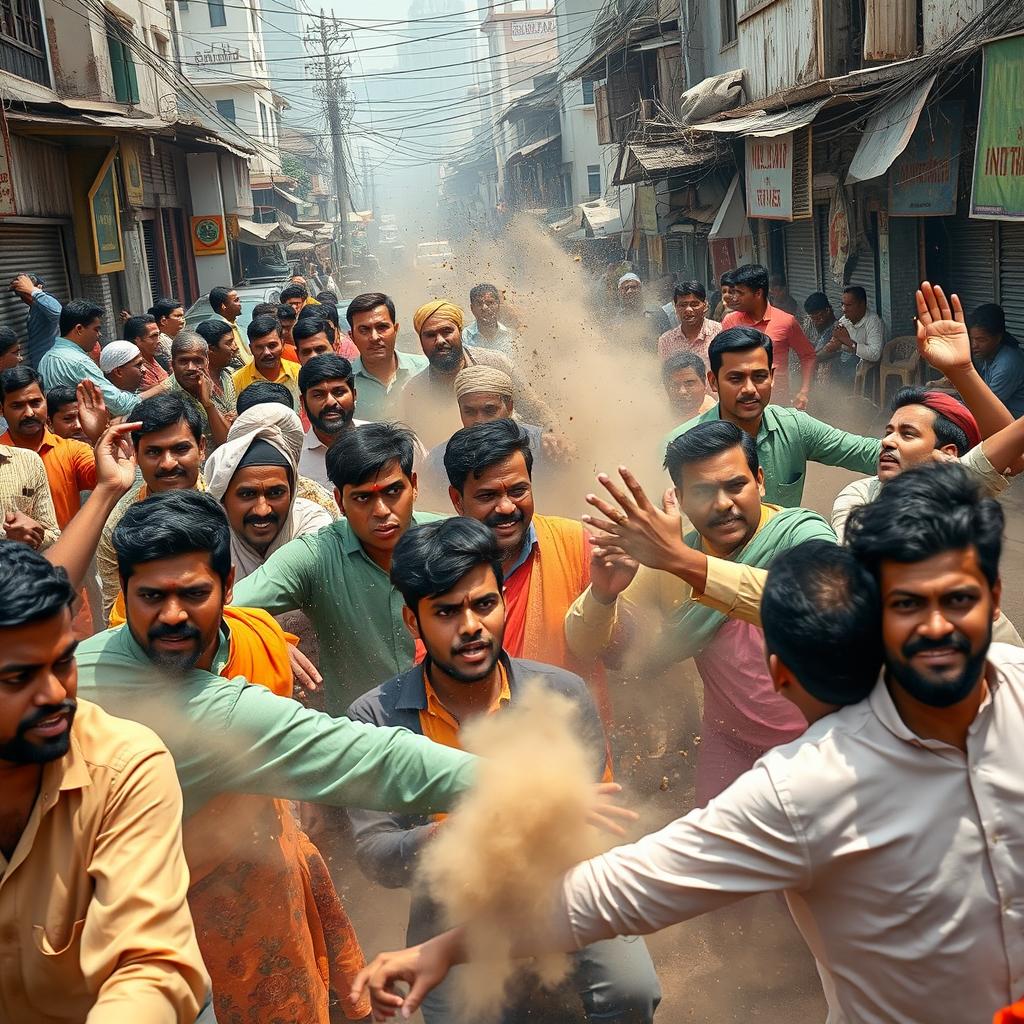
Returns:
(769, 177)
(105, 218)
(923, 178)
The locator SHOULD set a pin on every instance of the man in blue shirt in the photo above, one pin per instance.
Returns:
(69, 360)
(997, 356)
(43, 316)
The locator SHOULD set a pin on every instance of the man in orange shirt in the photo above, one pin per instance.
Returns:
(751, 308)
(70, 466)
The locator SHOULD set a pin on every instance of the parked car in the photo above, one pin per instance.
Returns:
(249, 295)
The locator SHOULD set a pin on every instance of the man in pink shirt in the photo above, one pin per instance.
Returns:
(695, 330)
(752, 309)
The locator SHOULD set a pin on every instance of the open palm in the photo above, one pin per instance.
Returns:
(942, 337)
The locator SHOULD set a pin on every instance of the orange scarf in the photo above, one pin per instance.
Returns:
(265, 908)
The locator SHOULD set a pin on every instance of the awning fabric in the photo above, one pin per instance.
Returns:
(287, 196)
(887, 134)
(731, 220)
(642, 161)
(766, 126)
(525, 151)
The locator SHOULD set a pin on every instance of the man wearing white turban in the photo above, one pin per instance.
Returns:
(254, 475)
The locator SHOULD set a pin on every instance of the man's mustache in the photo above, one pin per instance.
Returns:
(166, 474)
(250, 519)
(183, 632)
(725, 520)
(497, 519)
(956, 640)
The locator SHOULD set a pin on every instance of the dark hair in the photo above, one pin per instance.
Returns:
(78, 312)
(923, 512)
(284, 312)
(59, 396)
(946, 431)
(213, 331)
(816, 302)
(726, 278)
(263, 392)
(8, 339)
(690, 288)
(820, 602)
(162, 411)
(169, 524)
(135, 326)
(326, 296)
(737, 339)
(306, 326)
(328, 311)
(856, 291)
(161, 308)
(683, 361)
(360, 454)
(325, 367)
(294, 291)
(367, 301)
(430, 559)
(478, 291)
(266, 309)
(218, 296)
(989, 317)
(33, 588)
(473, 449)
(704, 441)
(18, 377)
(752, 276)
(261, 327)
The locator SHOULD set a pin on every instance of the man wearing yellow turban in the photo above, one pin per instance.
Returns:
(428, 403)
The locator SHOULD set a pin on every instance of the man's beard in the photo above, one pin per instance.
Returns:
(950, 691)
(334, 427)
(481, 671)
(495, 519)
(175, 661)
(447, 361)
(19, 750)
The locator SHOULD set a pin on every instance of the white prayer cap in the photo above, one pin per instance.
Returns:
(629, 277)
(116, 354)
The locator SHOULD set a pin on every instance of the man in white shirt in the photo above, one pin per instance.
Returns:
(859, 331)
(892, 826)
(328, 393)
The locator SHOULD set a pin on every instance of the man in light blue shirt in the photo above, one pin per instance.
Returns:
(487, 331)
(43, 315)
(69, 361)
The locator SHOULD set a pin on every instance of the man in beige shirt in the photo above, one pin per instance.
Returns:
(892, 826)
(94, 925)
(25, 500)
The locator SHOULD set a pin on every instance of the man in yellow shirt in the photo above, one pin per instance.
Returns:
(267, 362)
(93, 918)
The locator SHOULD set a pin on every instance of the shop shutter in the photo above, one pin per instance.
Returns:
(801, 259)
(1011, 275)
(861, 270)
(973, 259)
(32, 249)
(149, 240)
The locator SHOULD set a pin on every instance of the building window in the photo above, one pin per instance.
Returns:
(264, 122)
(728, 11)
(122, 66)
(218, 16)
(226, 109)
(21, 40)
(594, 179)
(588, 92)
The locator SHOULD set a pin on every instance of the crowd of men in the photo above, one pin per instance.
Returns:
(174, 764)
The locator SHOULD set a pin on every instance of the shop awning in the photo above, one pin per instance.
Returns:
(764, 125)
(887, 134)
(644, 161)
(535, 147)
(253, 233)
(288, 197)
(609, 218)
(731, 219)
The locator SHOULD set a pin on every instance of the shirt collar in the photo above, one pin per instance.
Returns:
(413, 693)
(404, 362)
(73, 767)
(527, 549)
(312, 443)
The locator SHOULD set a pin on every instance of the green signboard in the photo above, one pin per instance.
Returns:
(105, 215)
(998, 192)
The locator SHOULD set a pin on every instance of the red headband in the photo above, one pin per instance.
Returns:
(956, 412)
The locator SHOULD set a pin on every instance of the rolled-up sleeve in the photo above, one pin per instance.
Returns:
(139, 946)
(734, 589)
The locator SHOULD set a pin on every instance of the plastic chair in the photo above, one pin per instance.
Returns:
(900, 359)
(865, 380)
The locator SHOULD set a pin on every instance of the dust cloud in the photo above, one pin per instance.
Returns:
(494, 864)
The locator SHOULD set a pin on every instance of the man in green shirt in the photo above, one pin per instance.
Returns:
(340, 576)
(226, 735)
(741, 375)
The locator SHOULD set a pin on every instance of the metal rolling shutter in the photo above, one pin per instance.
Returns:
(974, 261)
(1011, 276)
(861, 270)
(801, 260)
(152, 266)
(31, 249)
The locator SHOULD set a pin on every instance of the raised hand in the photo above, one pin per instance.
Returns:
(636, 528)
(610, 574)
(115, 457)
(942, 337)
(605, 814)
(92, 410)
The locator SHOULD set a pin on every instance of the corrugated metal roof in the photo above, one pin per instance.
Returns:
(644, 159)
(765, 125)
(526, 151)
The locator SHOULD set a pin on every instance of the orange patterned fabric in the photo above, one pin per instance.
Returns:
(271, 926)
(1011, 1015)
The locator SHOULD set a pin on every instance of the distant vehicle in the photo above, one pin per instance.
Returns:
(433, 254)
(249, 295)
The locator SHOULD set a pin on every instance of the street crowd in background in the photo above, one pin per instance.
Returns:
(258, 576)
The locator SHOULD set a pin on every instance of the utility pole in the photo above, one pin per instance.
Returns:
(333, 93)
(369, 186)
